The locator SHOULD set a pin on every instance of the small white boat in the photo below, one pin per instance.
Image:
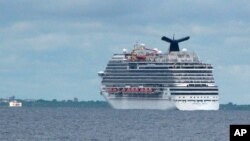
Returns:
(15, 104)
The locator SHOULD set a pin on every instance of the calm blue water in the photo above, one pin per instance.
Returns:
(104, 124)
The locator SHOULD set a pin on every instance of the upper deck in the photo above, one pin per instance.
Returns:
(142, 54)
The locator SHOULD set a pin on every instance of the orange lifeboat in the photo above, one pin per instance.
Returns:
(146, 90)
(143, 90)
(150, 90)
(129, 90)
(141, 57)
(114, 89)
(136, 90)
(133, 90)
(108, 90)
(123, 90)
(111, 90)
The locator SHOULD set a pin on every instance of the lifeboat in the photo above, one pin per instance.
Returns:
(124, 90)
(129, 90)
(141, 57)
(132, 90)
(112, 90)
(143, 90)
(150, 90)
(136, 90)
(108, 90)
(146, 90)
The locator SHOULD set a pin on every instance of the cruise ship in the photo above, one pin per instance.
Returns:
(146, 78)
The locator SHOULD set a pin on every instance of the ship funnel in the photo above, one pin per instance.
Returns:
(174, 46)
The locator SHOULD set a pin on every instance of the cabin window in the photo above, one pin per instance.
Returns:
(133, 66)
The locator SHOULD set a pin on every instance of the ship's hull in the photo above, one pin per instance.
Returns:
(190, 106)
(196, 102)
(158, 103)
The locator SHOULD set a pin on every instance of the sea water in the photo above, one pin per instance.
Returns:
(105, 124)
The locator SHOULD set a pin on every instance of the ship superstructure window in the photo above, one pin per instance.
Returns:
(132, 66)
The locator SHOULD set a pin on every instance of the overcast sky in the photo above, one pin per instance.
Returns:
(54, 48)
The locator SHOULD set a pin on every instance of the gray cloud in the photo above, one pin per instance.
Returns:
(124, 12)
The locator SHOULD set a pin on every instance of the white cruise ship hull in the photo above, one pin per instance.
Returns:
(190, 106)
(160, 103)
(139, 102)
(191, 102)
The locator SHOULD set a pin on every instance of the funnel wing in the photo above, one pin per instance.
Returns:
(166, 39)
(183, 39)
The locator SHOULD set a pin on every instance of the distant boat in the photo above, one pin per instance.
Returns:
(15, 104)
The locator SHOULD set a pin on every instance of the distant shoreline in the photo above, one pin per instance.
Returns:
(55, 103)
(96, 104)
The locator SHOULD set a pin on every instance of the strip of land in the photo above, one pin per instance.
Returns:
(93, 104)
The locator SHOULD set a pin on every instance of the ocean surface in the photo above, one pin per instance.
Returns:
(105, 124)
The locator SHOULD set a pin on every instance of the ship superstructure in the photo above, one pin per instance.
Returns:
(149, 79)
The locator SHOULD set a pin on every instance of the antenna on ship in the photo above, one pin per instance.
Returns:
(174, 46)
